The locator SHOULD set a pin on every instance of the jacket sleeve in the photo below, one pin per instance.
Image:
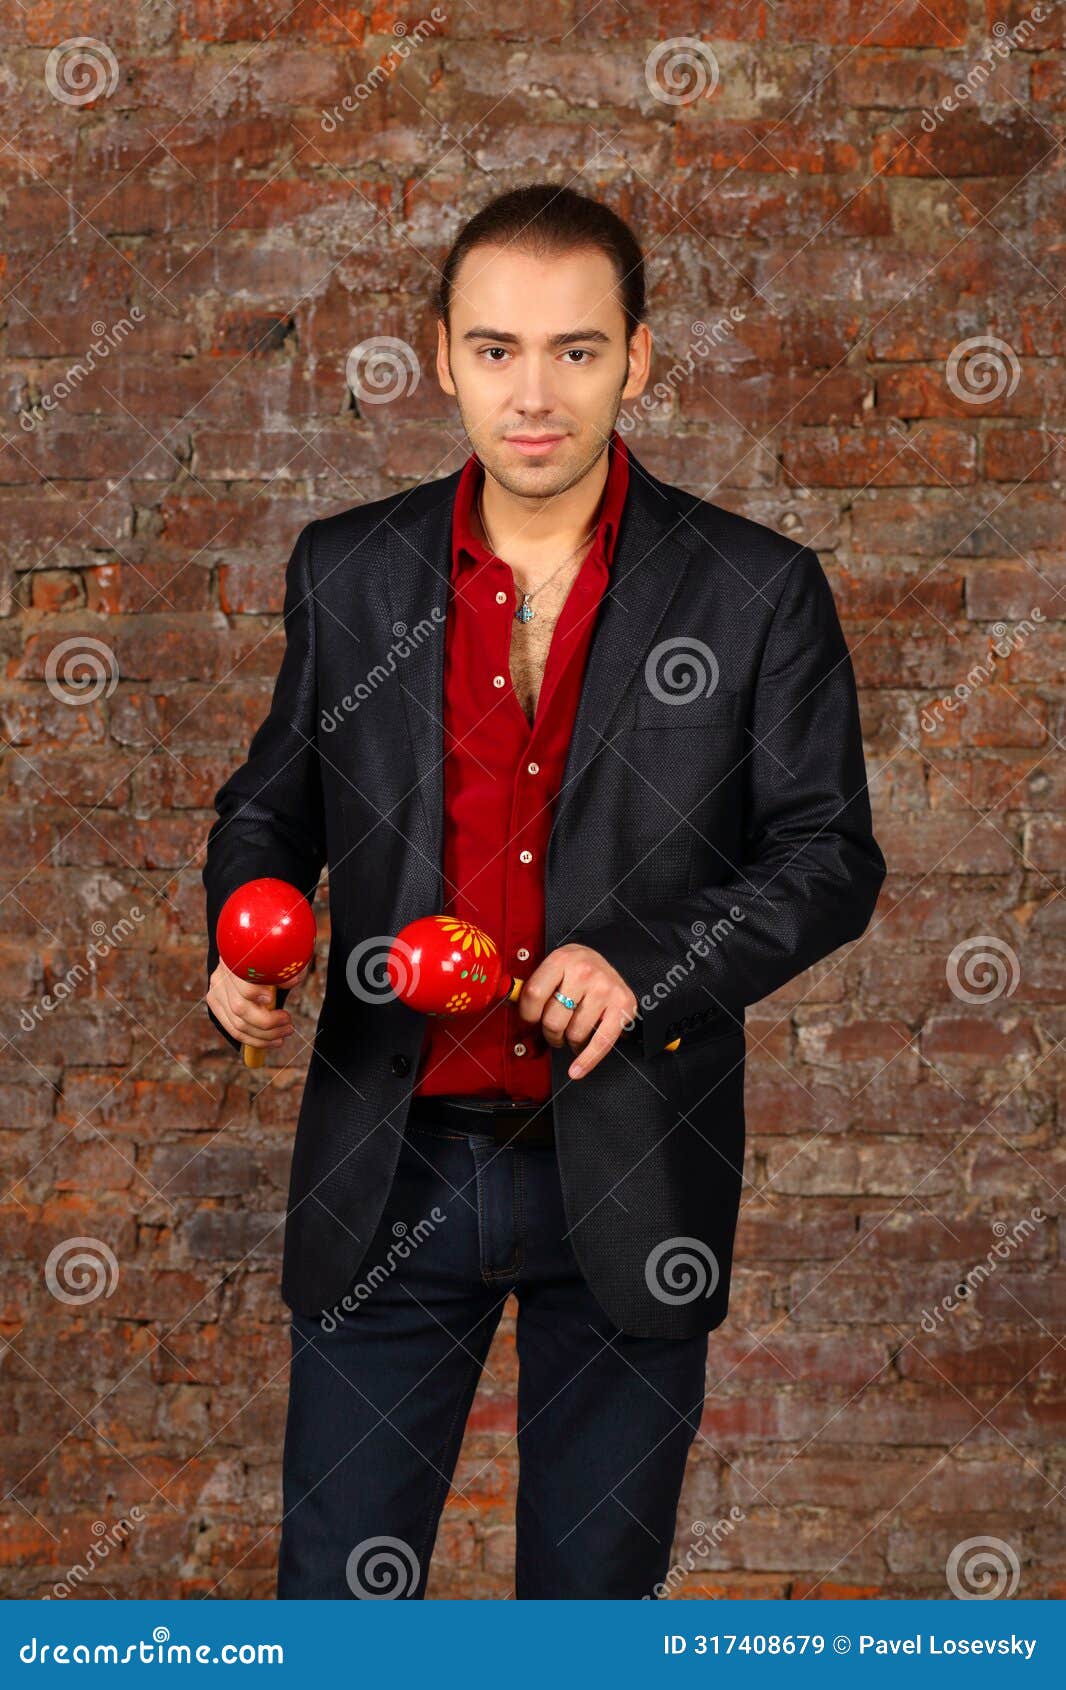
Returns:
(811, 869)
(269, 812)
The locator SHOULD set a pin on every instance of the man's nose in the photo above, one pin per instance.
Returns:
(532, 393)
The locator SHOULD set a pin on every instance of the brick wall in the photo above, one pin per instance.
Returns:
(223, 248)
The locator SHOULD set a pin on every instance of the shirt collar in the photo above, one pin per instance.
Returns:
(467, 549)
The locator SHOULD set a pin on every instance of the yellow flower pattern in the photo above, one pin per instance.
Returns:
(467, 938)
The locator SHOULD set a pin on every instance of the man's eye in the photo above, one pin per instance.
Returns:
(581, 352)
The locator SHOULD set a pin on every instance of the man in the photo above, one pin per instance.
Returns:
(614, 727)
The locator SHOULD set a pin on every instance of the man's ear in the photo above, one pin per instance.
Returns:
(444, 369)
(638, 362)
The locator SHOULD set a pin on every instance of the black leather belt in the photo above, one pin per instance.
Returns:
(507, 1123)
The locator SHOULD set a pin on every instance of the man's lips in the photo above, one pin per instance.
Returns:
(534, 445)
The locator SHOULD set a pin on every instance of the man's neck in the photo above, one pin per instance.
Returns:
(538, 532)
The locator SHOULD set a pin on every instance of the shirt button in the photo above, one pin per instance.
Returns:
(498, 681)
(520, 1050)
(501, 598)
(525, 856)
(522, 955)
(534, 768)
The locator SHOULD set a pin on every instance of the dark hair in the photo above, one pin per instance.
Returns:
(546, 218)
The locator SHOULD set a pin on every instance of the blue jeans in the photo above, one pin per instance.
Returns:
(380, 1390)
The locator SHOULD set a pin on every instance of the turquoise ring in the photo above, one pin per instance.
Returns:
(568, 1003)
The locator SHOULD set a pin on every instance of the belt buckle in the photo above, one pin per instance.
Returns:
(505, 1122)
(525, 1126)
(512, 1119)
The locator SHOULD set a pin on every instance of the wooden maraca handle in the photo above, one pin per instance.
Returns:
(254, 1055)
(516, 987)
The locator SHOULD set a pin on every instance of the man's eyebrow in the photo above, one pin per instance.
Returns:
(571, 336)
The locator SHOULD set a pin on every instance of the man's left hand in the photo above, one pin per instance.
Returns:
(604, 1003)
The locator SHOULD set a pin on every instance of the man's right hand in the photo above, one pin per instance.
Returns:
(243, 1009)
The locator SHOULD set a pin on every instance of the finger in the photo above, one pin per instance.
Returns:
(553, 1031)
(586, 1018)
(557, 1020)
(537, 991)
(261, 1041)
(259, 1019)
(604, 1039)
(552, 977)
(248, 991)
(237, 1030)
(256, 1020)
(257, 1043)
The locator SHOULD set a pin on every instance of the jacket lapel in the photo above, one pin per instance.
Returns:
(417, 576)
(651, 547)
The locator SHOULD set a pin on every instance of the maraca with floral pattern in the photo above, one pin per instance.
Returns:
(443, 966)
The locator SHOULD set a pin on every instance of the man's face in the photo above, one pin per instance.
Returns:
(538, 363)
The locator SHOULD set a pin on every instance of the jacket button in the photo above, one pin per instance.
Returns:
(400, 1064)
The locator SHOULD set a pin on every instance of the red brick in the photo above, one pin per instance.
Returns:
(891, 1126)
(847, 22)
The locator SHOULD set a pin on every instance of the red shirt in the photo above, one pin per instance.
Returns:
(501, 779)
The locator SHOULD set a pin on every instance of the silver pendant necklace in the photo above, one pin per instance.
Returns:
(525, 612)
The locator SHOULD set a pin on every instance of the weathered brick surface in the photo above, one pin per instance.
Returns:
(864, 1416)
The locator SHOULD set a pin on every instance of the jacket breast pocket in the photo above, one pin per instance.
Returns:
(716, 709)
(682, 763)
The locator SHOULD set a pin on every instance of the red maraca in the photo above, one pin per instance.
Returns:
(443, 966)
(265, 934)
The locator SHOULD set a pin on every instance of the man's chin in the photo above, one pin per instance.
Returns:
(540, 477)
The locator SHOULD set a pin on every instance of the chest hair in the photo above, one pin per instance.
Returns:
(531, 641)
